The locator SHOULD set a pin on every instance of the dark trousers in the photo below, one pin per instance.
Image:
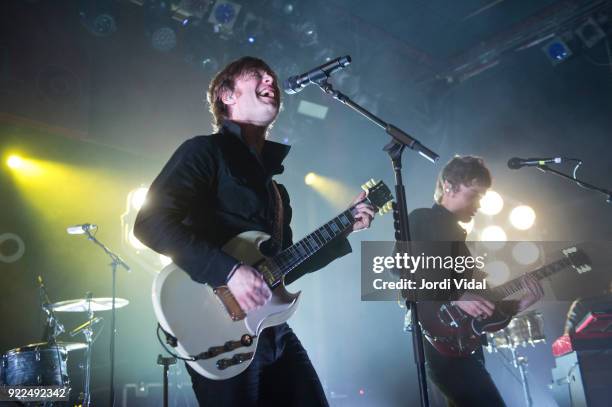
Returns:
(464, 381)
(280, 375)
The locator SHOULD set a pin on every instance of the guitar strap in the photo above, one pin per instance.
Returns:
(277, 227)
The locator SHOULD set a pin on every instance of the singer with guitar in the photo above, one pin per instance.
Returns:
(216, 187)
(462, 378)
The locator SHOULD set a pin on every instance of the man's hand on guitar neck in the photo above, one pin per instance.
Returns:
(475, 305)
(363, 213)
(534, 292)
(249, 288)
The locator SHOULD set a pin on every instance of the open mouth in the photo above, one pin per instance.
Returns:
(266, 93)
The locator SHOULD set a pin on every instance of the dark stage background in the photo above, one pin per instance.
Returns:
(99, 113)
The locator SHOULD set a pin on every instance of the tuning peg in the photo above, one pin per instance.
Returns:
(388, 206)
(369, 184)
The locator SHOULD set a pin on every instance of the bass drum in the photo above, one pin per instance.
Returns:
(38, 364)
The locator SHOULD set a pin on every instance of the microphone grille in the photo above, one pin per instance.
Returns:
(290, 86)
(514, 163)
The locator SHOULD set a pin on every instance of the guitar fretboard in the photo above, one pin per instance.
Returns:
(507, 289)
(274, 268)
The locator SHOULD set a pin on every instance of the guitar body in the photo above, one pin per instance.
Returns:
(452, 332)
(203, 319)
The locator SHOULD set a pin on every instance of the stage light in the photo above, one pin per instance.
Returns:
(522, 217)
(224, 15)
(312, 109)
(252, 28)
(310, 178)
(306, 33)
(590, 32)
(15, 162)
(23, 167)
(137, 197)
(98, 18)
(557, 51)
(525, 253)
(331, 190)
(497, 272)
(493, 237)
(163, 39)
(493, 234)
(492, 203)
(468, 227)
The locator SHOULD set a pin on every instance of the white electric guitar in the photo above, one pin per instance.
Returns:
(206, 326)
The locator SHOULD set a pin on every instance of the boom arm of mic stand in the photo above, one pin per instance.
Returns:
(116, 261)
(396, 133)
(585, 185)
(400, 140)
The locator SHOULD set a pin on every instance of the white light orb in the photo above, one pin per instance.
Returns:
(522, 217)
(526, 253)
(492, 203)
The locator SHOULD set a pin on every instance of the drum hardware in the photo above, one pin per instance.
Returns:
(53, 327)
(85, 304)
(45, 363)
(523, 330)
(116, 261)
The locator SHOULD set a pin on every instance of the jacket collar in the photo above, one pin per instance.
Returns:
(272, 154)
(449, 218)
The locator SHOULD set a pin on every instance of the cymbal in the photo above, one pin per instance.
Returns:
(69, 346)
(82, 304)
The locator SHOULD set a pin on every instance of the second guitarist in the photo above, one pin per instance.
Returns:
(460, 186)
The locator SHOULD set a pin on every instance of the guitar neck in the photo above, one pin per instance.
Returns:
(507, 289)
(276, 267)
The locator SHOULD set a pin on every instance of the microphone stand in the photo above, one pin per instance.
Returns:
(585, 185)
(399, 141)
(115, 262)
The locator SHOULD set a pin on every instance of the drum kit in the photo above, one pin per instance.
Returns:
(45, 363)
(522, 331)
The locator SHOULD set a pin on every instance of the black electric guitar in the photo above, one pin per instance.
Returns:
(452, 332)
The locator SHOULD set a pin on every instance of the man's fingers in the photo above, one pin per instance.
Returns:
(246, 303)
(369, 209)
(359, 197)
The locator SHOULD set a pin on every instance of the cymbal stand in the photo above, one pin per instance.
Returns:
(88, 333)
(520, 362)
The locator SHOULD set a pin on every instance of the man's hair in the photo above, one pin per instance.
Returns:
(462, 170)
(225, 80)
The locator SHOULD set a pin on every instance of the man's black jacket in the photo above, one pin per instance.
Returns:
(213, 188)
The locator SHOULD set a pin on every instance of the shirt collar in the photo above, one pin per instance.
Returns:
(449, 217)
(272, 154)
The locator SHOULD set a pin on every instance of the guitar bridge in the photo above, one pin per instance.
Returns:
(235, 360)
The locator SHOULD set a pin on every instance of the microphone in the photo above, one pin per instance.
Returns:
(80, 229)
(296, 83)
(515, 163)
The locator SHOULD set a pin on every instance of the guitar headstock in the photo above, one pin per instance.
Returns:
(378, 195)
(578, 259)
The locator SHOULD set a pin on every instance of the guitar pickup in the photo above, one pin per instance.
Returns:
(235, 360)
(245, 340)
